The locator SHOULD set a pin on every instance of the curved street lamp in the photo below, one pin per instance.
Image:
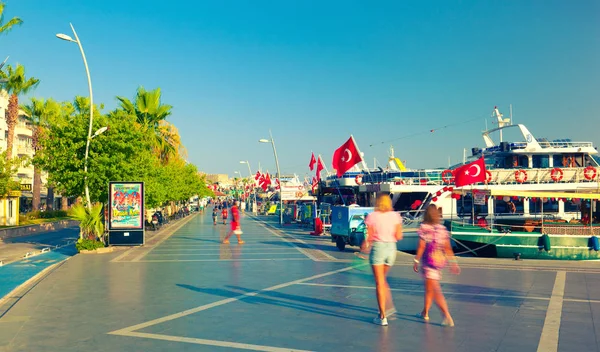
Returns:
(89, 138)
(262, 140)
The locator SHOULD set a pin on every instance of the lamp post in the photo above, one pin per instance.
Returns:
(253, 186)
(278, 175)
(89, 138)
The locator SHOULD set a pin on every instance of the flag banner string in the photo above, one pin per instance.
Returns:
(425, 132)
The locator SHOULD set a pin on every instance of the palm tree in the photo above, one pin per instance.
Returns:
(38, 112)
(151, 115)
(5, 27)
(16, 85)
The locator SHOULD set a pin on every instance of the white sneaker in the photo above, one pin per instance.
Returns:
(379, 321)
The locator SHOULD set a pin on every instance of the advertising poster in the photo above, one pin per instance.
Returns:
(126, 207)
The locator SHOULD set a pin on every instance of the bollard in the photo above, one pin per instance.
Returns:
(594, 243)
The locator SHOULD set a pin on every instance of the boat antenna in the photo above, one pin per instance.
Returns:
(511, 122)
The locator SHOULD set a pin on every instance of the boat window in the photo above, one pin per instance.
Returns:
(541, 161)
(406, 201)
(572, 206)
(466, 208)
(568, 160)
(508, 205)
(550, 206)
(516, 162)
(590, 161)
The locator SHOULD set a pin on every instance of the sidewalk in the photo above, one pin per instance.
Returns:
(284, 290)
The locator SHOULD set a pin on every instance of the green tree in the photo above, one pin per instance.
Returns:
(5, 27)
(151, 114)
(38, 112)
(8, 168)
(120, 154)
(16, 85)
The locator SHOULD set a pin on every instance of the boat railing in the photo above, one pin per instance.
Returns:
(539, 175)
(566, 144)
(550, 226)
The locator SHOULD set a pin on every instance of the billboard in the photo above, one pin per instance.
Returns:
(126, 206)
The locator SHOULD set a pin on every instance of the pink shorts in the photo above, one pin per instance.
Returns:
(430, 273)
(234, 225)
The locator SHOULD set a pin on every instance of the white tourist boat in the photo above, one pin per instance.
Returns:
(531, 164)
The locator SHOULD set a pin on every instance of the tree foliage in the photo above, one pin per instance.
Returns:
(126, 152)
(8, 25)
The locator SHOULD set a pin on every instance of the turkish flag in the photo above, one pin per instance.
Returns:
(470, 173)
(257, 176)
(345, 157)
(320, 168)
(313, 161)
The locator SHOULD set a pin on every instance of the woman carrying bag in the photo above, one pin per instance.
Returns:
(433, 253)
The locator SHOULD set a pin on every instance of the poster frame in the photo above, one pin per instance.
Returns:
(126, 235)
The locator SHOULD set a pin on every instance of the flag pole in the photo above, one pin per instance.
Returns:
(360, 154)
(324, 165)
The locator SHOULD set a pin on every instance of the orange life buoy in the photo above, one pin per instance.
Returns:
(488, 176)
(556, 174)
(448, 176)
(590, 173)
(358, 179)
(521, 176)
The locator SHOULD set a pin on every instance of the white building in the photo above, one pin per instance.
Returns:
(22, 146)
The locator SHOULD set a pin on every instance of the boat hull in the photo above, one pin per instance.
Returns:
(529, 245)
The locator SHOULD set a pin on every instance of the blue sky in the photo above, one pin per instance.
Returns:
(315, 72)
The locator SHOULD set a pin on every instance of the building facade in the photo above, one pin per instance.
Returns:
(22, 147)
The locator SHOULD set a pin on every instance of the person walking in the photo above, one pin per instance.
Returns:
(384, 228)
(224, 214)
(235, 224)
(215, 214)
(433, 253)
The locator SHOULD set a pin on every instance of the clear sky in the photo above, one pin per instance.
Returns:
(315, 72)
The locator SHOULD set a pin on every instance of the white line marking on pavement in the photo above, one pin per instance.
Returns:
(145, 251)
(574, 300)
(243, 346)
(215, 260)
(302, 250)
(216, 248)
(550, 331)
(155, 254)
(421, 291)
(129, 329)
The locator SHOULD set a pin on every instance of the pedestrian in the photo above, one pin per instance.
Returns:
(235, 224)
(224, 215)
(433, 253)
(384, 228)
(215, 215)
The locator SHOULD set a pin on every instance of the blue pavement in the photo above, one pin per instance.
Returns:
(15, 274)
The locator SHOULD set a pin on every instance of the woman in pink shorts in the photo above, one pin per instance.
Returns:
(433, 252)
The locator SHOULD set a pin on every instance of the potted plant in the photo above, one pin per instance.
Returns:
(91, 227)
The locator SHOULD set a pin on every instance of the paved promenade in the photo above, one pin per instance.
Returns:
(287, 291)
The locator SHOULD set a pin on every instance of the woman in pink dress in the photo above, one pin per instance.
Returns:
(433, 252)
(384, 228)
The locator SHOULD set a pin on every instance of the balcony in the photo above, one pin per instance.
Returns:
(24, 150)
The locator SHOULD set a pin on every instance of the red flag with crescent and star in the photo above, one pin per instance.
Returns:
(313, 161)
(345, 157)
(470, 173)
(320, 167)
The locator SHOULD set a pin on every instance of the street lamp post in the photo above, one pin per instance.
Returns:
(254, 185)
(272, 141)
(89, 138)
